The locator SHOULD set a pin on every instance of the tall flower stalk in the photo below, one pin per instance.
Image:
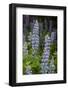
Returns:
(45, 56)
(35, 37)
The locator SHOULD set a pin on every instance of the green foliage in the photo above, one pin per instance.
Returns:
(53, 53)
(29, 48)
(27, 60)
(55, 61)
(36, 64)
(33, 61)
(27, 33)
(29, 29)
(53, 48)
(44, 33)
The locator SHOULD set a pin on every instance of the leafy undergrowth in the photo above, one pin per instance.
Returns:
(33, 61)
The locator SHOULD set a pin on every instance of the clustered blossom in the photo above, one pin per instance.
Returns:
(45, 56)
(53, 36)
(35, 36)
(25, 50)
(45, 66)
(35, 42)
